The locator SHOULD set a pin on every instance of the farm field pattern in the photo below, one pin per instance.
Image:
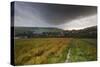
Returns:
(54, 50)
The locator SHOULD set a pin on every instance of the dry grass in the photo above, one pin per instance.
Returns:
(40, 50)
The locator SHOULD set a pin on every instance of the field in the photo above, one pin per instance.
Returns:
(54, 50)
(83, 50)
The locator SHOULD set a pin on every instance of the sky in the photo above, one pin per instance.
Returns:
(67, 17)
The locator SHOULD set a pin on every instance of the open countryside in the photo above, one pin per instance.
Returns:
(54, 50)
(48, 33)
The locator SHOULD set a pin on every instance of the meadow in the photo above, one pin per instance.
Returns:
(83, 50)
(54, 50)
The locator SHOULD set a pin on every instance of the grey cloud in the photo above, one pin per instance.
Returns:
(44, 14)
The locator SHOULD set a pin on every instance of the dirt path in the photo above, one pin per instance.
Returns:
(68, 55)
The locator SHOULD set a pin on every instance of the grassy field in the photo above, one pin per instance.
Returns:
(40, 50)
(83, 50)
(53, 50)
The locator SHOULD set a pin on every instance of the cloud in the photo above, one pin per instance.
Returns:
(51, 15)
(81, 23)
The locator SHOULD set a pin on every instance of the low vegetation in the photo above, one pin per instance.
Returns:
(83, 50)
(41, 50)
(54, 50)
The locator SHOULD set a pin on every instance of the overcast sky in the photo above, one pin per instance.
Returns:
(53, 15)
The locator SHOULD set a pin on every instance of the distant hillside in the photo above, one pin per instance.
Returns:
(90, 32)
(86, 32)
(21, 30)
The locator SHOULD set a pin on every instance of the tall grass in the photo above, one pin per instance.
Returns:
(54, 50)
(40, 50)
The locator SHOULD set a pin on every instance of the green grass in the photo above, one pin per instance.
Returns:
(83, 50)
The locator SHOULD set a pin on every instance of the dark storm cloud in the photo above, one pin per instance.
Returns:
(53, 15)
(58, 14)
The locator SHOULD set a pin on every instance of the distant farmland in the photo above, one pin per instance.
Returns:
(54, 50)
